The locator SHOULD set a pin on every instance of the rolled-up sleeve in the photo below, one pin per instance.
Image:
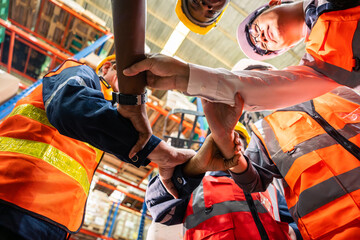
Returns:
(76, 107)
(261, 90)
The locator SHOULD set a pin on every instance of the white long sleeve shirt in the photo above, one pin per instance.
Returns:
(260, 90)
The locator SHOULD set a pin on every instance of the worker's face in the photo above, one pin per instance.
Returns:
(110, 75)
(276, 29)
(206, 10)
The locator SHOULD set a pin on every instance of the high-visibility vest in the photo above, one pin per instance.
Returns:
(333, 45)
(218, 210)
(315, 147)
(42, 172)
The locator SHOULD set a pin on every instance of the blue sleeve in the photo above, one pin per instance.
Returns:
(164, 208)
(76, 107)
(285, 215)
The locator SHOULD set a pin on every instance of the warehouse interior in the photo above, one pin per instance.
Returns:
(38, 35)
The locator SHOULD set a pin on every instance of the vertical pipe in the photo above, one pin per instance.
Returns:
(27, 59)
(142, 219)
(129, 32)
(39, 16)
(62, 43)
(113, 219)
(11, 51)
(108, 218)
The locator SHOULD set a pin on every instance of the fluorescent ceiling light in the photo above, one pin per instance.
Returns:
(175, 40)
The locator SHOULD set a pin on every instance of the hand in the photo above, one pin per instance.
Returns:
(292, 233)
(163, 72)
(209, 158)
(139, 119)
(167, 158)
(222, 119)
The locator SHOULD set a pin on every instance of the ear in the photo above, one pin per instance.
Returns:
(106, 67)
(274, 3)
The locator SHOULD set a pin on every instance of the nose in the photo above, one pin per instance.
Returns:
(207, 5)
(262, 36)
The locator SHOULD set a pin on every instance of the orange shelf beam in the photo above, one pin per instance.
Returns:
(124, 192)
(32, 39)
(120, 180)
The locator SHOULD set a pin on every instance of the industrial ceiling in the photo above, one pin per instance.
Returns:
(217, 49)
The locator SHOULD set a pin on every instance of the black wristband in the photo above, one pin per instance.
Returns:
(128, 99)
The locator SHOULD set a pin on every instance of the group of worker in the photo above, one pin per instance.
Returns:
(52, 142)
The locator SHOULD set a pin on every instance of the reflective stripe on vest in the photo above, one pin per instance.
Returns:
(202, 213)
(48, 154)
(333, 47)
(218, 208)
(271, 194)
(318, 187)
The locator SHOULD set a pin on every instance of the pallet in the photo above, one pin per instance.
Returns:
(24, 12)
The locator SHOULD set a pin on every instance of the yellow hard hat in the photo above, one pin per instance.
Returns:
(107, 59)
(241, 129)
(181, 12)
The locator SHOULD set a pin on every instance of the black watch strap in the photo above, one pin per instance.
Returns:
(127, 99)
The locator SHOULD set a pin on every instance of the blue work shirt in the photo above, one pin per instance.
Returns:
(76, 107)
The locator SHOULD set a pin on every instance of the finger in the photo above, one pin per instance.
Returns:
(228, 163)
(237, 138)
(140, 144)
(138, 67)
(238, 99)
(160, 82)
(237, 149)
(170, 187)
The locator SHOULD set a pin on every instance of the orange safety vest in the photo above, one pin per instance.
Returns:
(44, 173)
(218, 210)
(333, 45)
(315, 147)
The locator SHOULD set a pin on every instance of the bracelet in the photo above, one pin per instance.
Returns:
(128, 99)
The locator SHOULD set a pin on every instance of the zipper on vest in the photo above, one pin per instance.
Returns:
(255, 216)
(349, 146)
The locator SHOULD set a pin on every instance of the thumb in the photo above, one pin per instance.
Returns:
(140, 144)
(170, 187)
(232, 162)
(238, 100)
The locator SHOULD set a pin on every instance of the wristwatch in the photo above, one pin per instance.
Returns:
(128, 99)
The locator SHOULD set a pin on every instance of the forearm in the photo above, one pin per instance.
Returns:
(129, 21)
(260, 90)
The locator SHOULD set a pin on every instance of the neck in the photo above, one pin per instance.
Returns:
(297, 10)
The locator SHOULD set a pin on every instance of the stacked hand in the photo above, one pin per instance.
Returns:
(222, 119)
(167, 158)
(209, 158)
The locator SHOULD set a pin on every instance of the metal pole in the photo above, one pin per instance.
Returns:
(11, 51)
(142, 219)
